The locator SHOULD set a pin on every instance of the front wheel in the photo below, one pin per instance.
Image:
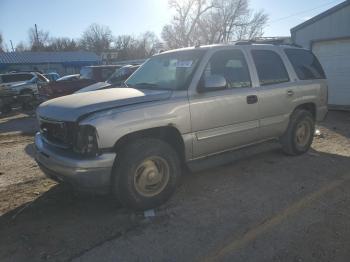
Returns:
(300, 132)
(146, 173)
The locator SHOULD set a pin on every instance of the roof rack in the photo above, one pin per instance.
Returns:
(267, 41)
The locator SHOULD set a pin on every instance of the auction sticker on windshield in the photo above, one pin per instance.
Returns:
(184, 63)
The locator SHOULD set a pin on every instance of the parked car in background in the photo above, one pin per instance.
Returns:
(180, 108)
(69, 84)
(52, 76)
(115, 80)
(98, 73)
(22, 83)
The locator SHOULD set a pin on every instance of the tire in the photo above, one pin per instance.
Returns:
(293, 141)
(146, 174)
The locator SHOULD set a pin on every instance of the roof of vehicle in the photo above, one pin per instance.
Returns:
(130, 66)
(67, 77)
(104, 66)
(52, 73)
(237, 43)
(20, 73)
(47, 57)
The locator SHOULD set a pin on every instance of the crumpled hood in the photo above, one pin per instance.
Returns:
(93, 87)
(72, 107)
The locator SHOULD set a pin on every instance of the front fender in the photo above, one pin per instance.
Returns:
(113, 124)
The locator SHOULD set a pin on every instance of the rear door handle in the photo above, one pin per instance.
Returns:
(252, 99)
(290, 93)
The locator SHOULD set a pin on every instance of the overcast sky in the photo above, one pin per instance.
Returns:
(71, 17)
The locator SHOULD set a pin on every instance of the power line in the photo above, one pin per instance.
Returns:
(302, 12)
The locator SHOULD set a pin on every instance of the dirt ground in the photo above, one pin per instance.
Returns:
(263, 206)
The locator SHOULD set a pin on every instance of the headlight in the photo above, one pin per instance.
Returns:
(86, 141)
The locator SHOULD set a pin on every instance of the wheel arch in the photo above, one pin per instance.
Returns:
(170, 134)
(309, 106)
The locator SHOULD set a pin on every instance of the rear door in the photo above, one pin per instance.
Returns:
(275, 91)
(228, 118)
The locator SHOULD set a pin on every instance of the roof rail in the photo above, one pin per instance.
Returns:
(244, 42)
(257, 41)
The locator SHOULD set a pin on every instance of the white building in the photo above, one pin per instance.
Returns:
(328, 36)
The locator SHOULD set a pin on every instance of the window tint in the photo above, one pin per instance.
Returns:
(270, 67)
(16, 78)
(305, 64)
(232, 65)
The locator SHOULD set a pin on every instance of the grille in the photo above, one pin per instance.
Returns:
(57, 133)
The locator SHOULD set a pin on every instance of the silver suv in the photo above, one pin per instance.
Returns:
(177, 109)
(21, 83)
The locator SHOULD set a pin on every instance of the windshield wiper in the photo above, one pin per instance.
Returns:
(146, 85)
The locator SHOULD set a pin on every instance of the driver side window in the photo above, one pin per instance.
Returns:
(230, 64)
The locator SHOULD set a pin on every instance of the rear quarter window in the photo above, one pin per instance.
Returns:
(305, 64)
(270, 67)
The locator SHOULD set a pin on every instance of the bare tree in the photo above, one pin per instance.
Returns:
(148, 43)
(38, 39)
(21, 47)
(181, 31)
(62, 44)
(221, 21)
(129, 47)
(96, 38)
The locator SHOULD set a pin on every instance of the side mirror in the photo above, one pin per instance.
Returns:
(213, 83)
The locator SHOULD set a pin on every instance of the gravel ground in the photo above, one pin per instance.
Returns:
(263, 206)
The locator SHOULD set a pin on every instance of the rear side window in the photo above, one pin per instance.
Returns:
(16, 78)
(270, 67)
(305, 64)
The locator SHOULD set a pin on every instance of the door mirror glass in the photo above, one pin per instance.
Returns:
(213, 83)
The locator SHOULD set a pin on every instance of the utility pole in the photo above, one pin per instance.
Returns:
(36, 35)
(13, 50)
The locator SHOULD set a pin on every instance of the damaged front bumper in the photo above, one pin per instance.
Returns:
(87, 174)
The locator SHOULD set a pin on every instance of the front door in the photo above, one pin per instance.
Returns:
(227, 118)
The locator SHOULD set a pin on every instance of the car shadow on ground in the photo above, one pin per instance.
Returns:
(61, 224)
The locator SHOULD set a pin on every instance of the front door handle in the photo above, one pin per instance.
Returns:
(252, 99)
(290, 93)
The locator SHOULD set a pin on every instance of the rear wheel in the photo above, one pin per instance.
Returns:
(300, 132)
(146, 173)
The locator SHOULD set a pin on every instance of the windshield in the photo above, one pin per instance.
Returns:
(167, 71)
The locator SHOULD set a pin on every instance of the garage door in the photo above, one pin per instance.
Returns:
(335, 59)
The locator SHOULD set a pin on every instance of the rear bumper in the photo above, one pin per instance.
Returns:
(92, 174)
